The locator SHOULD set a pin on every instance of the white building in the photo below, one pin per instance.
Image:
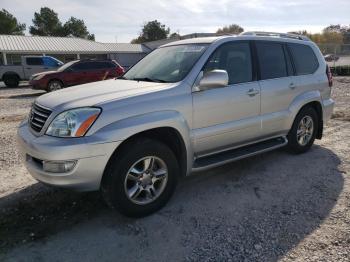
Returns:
(12, 47)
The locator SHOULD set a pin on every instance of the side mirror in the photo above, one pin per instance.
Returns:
(213, 79)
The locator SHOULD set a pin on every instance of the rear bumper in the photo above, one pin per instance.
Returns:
(91, 159)
(328, 106)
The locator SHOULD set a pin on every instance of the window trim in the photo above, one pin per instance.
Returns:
(252, 62)
(258, 62)
(292, 59)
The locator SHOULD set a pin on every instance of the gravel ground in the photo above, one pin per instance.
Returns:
(274, 206)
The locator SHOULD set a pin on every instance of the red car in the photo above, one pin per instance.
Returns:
(76, 73)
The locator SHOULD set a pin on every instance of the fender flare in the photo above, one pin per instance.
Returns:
(302, 100)
(123, 129)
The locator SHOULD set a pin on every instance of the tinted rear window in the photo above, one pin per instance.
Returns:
(272, 61)
(304, 59)
(34, 61)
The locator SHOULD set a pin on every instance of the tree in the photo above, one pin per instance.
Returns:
(46, 23)
(76, 27)
(231, 29)
(9, 24)
(338, 29)
(174, 35)
(151, 31)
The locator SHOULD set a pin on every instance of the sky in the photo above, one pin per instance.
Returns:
(121, 20)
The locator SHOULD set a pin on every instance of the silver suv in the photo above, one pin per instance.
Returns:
(187, 106)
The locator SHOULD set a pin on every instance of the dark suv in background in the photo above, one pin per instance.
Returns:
(76, 73)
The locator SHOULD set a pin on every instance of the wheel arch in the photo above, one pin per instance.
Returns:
(168, 136)
(309, 99)
(168, 127)
(10, 73)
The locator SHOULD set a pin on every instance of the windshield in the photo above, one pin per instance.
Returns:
(65, 66)
(166, 64)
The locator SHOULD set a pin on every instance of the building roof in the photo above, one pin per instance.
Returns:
(66, 45)
(126, 48)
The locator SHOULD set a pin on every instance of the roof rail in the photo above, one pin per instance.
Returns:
(274, 34)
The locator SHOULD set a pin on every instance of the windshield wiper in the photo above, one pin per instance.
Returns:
(147, 79)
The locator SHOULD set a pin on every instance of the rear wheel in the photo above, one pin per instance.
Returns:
(54, 85)
(11, 80)
(303, 133)
(141, 178)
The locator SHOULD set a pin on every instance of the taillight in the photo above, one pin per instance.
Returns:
(329, 76)
(120, 70)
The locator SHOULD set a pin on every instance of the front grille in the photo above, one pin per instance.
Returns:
(38, 116)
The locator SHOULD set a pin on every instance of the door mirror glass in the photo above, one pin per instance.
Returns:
(213, 79)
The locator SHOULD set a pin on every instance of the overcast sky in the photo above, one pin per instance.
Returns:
(121, 20)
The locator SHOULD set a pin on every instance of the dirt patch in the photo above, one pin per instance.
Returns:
(341, 115)
(12, 118)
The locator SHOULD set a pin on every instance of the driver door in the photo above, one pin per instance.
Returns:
(226, 117)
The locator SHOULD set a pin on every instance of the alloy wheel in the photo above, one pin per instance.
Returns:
(146, 180)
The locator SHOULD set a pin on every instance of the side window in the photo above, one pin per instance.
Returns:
(305, 60)
(272, 61)
(79, 67)
(107, 65)
(235, 58)
(34, 61)
(49, 62)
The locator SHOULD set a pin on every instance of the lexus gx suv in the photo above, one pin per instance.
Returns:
(187, 106)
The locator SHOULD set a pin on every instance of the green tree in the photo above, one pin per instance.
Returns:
(339, 29)
(9, 24)
(231, 29)
(76, 27)
(46, 23)
(151, 31)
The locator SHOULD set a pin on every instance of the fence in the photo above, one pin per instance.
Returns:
(337, 57)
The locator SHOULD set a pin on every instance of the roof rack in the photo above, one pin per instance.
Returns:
(274, 34)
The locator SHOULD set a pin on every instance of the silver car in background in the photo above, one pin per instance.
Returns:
(187, 106)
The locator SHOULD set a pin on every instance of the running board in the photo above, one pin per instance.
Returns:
(222, 158)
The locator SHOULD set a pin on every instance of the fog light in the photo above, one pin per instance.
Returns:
(58, 167)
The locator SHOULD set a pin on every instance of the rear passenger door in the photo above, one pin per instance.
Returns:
(34, 65)
(277, 85)
(227, 116)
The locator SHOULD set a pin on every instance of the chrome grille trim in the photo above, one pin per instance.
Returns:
(38, 116)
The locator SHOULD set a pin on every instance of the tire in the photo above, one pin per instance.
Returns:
(54, 85)
(119, 178)
(296, 144)
(11, 80)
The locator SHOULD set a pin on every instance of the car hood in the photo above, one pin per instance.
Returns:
(44, 73)
(97, 93)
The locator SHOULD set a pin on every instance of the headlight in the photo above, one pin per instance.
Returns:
(73, 123)
(38, 77)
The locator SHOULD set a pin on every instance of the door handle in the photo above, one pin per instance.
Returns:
(292, 85)
(252, 92)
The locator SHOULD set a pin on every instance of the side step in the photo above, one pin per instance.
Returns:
(222, 158)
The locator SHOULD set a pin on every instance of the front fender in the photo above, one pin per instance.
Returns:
(125, 128)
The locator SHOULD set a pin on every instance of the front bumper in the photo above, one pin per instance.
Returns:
(91, 156)
(38, 84)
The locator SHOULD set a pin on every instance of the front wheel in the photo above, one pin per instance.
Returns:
(11, 80)
(303, 132)
(54, 85)
(141, 178)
